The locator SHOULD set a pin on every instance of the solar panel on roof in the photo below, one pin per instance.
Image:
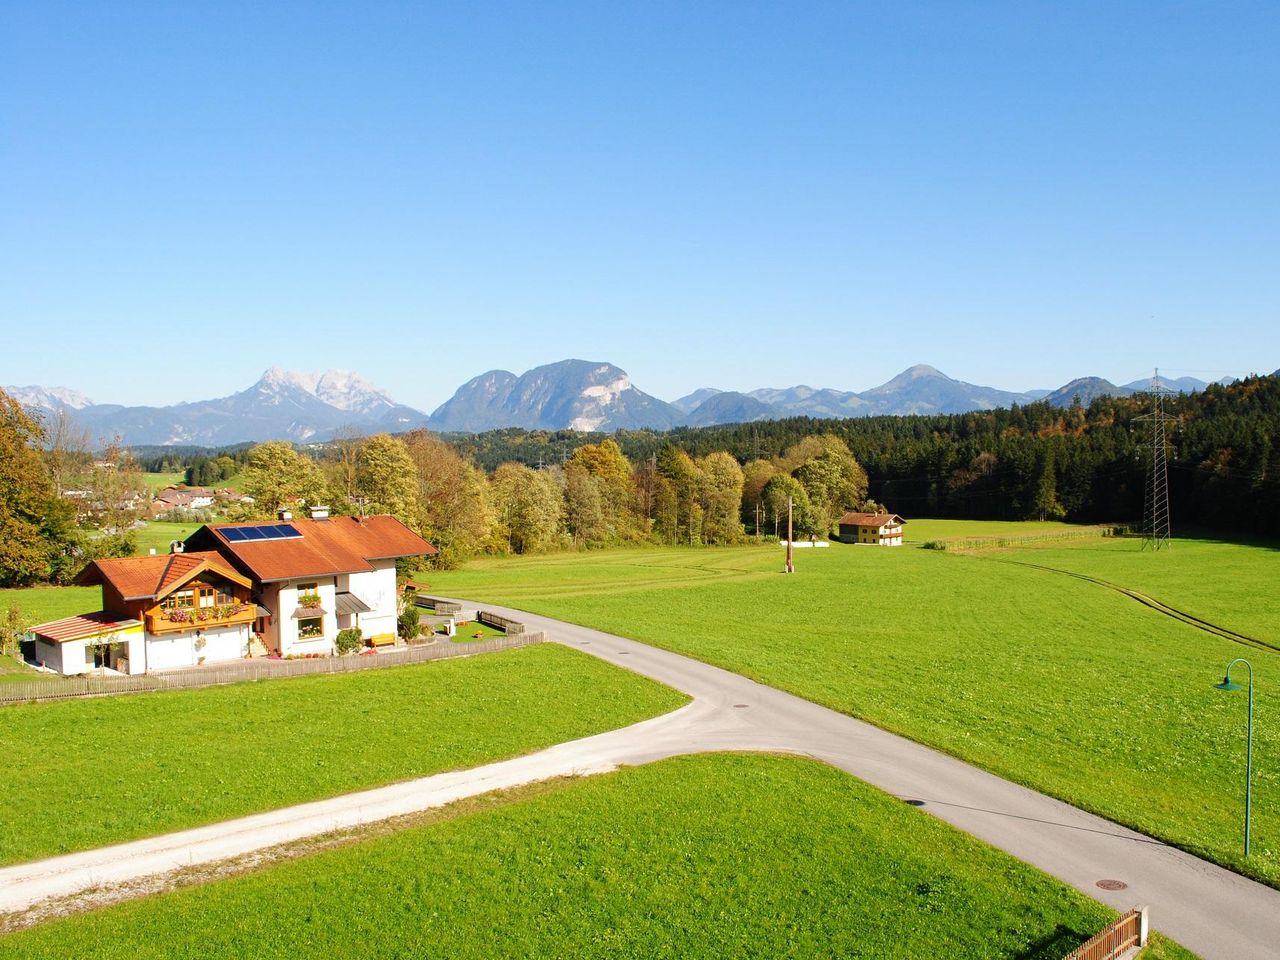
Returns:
(266, 531)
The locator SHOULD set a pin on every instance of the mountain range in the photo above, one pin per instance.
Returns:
(569, 395)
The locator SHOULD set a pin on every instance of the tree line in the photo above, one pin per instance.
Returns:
(1088, 464)
(525, 491)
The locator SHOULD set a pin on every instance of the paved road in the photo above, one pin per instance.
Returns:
(1214, 912)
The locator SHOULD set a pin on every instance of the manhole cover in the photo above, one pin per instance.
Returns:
(584, 643)
(624, 653)
(914, 803)
(741, 706)
(1112, 884)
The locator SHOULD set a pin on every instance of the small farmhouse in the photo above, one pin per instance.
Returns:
(233, 590)
(881, 529)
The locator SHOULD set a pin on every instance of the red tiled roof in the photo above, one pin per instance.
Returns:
(83, 625)
(141, 578)
(326, 547)
(855, 519)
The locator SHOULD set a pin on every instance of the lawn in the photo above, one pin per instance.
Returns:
(158, 534)
(701, 856)
(42, 604)
(468, 629)
(1231, 585)
(1044, 679)
(117, 768)
(158, 481)
(13, 671)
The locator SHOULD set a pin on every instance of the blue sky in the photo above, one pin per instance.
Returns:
(737, 194)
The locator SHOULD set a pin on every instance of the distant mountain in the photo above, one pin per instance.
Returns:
(730, 407)
(805, 401)
(282, 405)
(924, 389)
(571, 394)
(1180, 385)
(49, 398)
(690, 402)
(1087, 389)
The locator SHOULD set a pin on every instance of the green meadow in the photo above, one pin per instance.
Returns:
(116, 768)
(1054, 682)
(699, 856)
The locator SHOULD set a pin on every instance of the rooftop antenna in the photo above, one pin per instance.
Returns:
(360, 502)
(1156, 523)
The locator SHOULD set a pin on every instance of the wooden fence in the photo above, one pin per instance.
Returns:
(445, 608)
(1129, 932)
(64, 688)
(1014, 540)
(512, 628)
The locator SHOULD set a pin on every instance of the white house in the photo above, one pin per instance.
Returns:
(236, 589)
(318, 576)
(881, 529)
(159, 612)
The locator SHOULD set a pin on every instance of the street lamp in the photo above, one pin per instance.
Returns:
(1227, 684)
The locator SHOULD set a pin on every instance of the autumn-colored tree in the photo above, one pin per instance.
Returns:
(777, 492)
(605, 463)
(35, 523)
(721, 498)
(584, 507)
(277, 476)
(453, 498)
(755, 475)
(386, 480)
(528, 506)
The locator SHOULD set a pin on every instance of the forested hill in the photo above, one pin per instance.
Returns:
(1082, 463)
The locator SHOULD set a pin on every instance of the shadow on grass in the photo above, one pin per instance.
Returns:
(1054, 946)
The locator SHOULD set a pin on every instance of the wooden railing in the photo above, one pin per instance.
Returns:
(445, 608)
(1125, 933)
(511, 628)
(158, 620)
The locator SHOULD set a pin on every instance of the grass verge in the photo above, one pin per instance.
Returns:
(85, 773)
(702, 856)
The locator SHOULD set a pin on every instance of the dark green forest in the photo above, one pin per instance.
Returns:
(1079, 463)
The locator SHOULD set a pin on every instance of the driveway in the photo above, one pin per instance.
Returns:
(1212, 911)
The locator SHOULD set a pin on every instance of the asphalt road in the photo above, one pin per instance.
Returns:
(1212, 911)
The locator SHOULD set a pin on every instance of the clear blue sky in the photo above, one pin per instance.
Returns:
(737, 194)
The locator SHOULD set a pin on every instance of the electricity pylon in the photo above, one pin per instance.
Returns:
(1155, 519)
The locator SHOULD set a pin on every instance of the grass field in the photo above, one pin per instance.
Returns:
(1227, 584)
(158, 481)
(11, 671)
(42, 604)
(693, 857)
(116, 768)
(158, 534)
(1039, 677)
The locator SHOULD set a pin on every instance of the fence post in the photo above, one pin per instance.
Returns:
(1143, 925)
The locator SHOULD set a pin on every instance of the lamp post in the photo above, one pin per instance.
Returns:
(1228, 684)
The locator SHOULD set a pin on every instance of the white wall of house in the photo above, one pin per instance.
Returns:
(290, 643)
(170, 651)
(377, 589)
(68, 658)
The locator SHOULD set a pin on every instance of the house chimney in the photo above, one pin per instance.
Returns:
(176, 546)
(319, 513)
(284, 513)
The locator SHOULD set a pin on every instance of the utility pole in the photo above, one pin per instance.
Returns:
(791, 567)
(1156, 523)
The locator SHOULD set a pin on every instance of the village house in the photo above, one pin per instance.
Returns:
(233, 590)
(881, 529)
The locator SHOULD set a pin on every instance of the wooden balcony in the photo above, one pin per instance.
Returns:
(204, 618)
